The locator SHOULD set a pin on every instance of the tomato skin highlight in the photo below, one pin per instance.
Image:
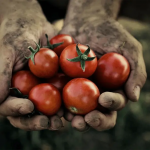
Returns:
(67, 39)
(80, 96)
(24, 81)
(46, 98)
(73, 69)
(59, 81)
(46, 63)
(112, 71)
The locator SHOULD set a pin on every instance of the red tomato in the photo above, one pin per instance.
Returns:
(46, 98)
(24, 81)
(80, 96)
(46, 63)
(59, 81)
(112, 71)
(73, 69)
(66, 39)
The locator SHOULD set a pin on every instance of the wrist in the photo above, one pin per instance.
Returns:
(89, 9)
(8, 7)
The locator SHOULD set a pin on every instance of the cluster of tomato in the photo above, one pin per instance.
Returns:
(67, 74)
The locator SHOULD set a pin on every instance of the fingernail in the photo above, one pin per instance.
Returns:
(44, 123)
(137, 92)
(56, 124)
(24, 111)
(108, 104)
(94, 122)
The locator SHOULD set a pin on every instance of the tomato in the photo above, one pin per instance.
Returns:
(46, 98)
(46, 63)
(112, 71)
(80, 96)
(24, 81)
(59, 81)
(82, 68)
(66, 39)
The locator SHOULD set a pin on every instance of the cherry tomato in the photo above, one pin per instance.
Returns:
(59, 81)
(66, 39)
(46, 98)
(112, 71)
(74, 69)
(80, 96)
(24, 81)
(46, 63)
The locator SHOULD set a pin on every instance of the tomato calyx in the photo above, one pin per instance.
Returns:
(82, 57)
(18, 93)
(73, 109)
(33, 52)
(52, 46)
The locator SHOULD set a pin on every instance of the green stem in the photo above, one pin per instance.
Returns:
(52, 46)
(33, 52)
(31, 49)
(82, 57)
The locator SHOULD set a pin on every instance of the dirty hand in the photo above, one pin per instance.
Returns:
(21, 23)
(98, 28)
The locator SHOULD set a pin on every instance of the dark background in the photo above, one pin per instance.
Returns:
(132, 131)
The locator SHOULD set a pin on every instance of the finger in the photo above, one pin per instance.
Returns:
(13, 106)
(100, 121)
(18, 47)
(79, 123)
(55, 123)
(113, 101)
(34, 123)
(6, 65)
(138, 73)
(14, 59)
(68, 116)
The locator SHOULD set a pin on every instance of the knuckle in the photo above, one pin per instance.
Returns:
(144, 77)
(142, 74)
(139, 46)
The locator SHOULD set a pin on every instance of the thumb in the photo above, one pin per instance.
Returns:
(6, 66)
(137, 76)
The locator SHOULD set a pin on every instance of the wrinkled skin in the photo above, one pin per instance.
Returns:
(21, 24)
(95, 26)
(104, 34)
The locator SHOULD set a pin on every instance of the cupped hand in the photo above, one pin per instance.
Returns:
(104, 35)
(21, 24)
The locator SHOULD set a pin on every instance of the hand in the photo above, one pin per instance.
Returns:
(22, 23)
(103, 35)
